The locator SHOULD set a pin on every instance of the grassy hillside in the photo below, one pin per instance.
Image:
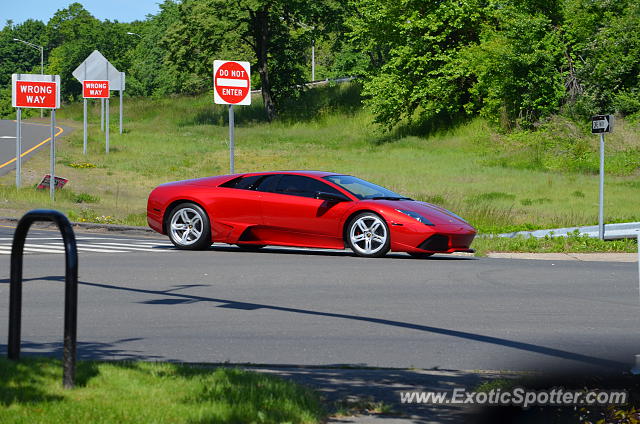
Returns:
(499, 182)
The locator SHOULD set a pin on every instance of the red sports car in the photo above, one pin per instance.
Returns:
(305, 209)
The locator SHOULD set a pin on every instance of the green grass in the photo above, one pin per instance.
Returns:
(499, 182)
(573, 243)
(139, 392)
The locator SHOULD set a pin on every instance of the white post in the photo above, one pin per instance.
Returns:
(121, 80)
(101, 114)
(52, 185)
(106, 123)
(601, 206)
(120, 111)
(19, 147)
(84, 144)
(231, 139)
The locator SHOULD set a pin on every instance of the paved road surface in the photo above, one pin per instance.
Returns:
(34, 136)
(139, 298)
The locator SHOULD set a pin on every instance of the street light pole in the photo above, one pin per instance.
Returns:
(41, 48)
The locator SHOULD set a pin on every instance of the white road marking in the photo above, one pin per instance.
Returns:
(127, 246)
(85, 244)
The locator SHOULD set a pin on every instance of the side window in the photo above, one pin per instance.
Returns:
(268, 183)
(242, 183)
(297, 185)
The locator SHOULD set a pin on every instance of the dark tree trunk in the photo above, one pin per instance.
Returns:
(260, 20)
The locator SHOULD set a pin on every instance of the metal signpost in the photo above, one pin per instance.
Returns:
(231, 86)
(601, 124)
(39, 92)
(121, 90)
(92, 90)
(96, 68)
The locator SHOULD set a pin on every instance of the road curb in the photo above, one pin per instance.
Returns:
(94, 226)
(581, 257)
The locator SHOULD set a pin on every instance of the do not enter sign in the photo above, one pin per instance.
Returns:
(231, 82)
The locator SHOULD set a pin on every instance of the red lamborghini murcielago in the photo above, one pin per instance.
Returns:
(304, 209)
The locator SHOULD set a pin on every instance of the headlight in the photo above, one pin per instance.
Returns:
(416, 216)
(457, 216)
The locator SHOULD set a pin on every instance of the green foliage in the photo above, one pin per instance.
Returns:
(515, 66)
(151, 72)
(421, 77)
(513, 62)
(604, 42)
(130, 392)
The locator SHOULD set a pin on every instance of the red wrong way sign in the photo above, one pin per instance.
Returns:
(231, 82)
(95, 89)
(35, 91)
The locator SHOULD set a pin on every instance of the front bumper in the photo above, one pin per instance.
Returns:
(437, 239)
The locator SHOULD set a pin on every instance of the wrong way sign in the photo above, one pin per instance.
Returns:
(231, 82)
(95, 89)
(35, 91)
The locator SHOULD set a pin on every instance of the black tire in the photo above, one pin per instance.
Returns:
(421, 255)
(250, 247)
(196, 226)
(377, 229)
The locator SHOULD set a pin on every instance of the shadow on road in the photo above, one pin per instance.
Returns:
(172, 296)
(345, 253)
(85, 350)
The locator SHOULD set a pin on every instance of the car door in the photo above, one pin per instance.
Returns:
(291, 215)
(236, 207)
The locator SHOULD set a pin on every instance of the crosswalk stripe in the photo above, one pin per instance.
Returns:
(127, 246)
(7, 250)
(87, 244)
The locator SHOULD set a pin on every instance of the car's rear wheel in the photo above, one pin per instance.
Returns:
(368, 235)
(189, 227)
(250, 247)
(421, 255)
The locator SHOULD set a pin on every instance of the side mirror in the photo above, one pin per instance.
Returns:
(332, 197)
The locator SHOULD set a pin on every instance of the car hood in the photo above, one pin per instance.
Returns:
(435, 214)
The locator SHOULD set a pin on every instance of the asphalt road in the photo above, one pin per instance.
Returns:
(139, 298)
(34, 136)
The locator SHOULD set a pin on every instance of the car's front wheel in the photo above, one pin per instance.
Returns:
(189, 227)
(368, 235)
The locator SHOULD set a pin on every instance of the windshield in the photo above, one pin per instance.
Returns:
(363, 189)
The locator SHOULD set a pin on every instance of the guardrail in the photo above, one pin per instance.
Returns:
(70, 290)
(611, 231)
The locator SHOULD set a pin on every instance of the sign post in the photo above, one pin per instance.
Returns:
(18, 147)
(601, 124)
(231, 86)
(121, 90)
(40, 92)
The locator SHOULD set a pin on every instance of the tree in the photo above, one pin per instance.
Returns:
(417, 47)
(151, 73)
(517, 65)
(605, 46)
(17, 57)
(265, 32)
